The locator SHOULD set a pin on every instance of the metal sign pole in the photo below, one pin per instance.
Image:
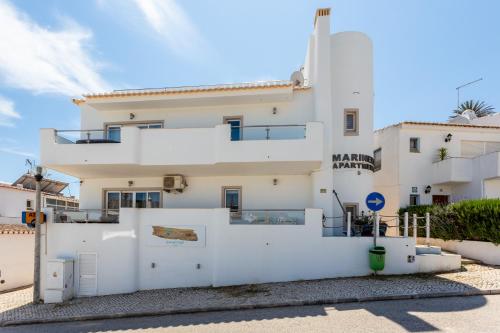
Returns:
(38, 221)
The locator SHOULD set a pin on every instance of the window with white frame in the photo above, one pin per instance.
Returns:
(414, 145)
(132, 199)
(29, 204)
(113, 131)
(351, 122)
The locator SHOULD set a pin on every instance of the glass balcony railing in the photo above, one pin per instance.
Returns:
(87, 136)
(87, 216)
(269, 216)
(268, 132)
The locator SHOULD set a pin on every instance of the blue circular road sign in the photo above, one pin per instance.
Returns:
(375, 201)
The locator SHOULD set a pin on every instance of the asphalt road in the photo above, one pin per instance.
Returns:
(457, 314)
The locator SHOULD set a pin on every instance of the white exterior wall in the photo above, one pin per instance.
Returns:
(231, 254)
(258, 192)
(402, 170)
(352, 87)
(16, 260)
(298, 111)
(13, 203)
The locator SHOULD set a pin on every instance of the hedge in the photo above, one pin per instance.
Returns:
(477, 220)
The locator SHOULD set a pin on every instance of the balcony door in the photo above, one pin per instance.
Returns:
(236, 124)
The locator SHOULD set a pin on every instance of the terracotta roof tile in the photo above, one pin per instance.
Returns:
(15, 229)
(190, 89)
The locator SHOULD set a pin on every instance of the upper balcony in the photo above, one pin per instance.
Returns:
(452, 170)
(267, 149)
(463, 170)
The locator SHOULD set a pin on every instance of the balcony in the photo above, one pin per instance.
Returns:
(284, 149)
(452, 170)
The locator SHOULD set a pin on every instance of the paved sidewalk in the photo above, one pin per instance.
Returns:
(16, 307)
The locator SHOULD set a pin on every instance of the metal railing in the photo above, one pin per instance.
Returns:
(268, 217)
(87, 136)
(87, 216)
(376, 224)
(268, 132)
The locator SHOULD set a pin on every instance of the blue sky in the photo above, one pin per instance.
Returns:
(53, 50)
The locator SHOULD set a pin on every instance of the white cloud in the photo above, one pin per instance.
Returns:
(169, 22)
(46, 61)
(16, 151)
(7, 112)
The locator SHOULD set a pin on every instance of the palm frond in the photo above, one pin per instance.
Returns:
(480, 108)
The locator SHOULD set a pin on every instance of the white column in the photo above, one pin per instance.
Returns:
(348, 224)
(415, 227)
(427, 229)
(406, 225)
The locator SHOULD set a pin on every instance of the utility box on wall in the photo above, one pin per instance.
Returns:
(60, 280)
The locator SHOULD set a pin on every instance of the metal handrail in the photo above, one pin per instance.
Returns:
(264, 126)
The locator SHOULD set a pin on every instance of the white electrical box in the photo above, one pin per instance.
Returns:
(59, 286)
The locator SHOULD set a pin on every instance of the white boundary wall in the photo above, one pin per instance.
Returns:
(16, 260)
(486, 252)
(233, 254)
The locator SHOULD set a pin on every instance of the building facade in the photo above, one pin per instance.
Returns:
(17, 197)
(224, 184)
(419, 163)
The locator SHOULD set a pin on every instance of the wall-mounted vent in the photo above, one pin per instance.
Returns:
(174, 183)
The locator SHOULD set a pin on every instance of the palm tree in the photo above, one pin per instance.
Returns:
(478, 107)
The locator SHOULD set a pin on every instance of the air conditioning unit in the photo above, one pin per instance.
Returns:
(174, 183)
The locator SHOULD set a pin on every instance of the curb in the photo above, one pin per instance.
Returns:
(251, 307)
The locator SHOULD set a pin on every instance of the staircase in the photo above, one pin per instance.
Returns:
(431, 259)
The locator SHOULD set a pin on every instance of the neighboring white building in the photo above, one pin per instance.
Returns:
(409, 169)
(20, 196)
(17, 241)
(224, 184)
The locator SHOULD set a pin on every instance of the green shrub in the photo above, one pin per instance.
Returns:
(465, 220)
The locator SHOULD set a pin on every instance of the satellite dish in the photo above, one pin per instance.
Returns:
(297, 79)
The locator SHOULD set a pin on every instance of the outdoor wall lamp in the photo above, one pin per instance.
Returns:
(428, 189)
(275, 110)
(275, 181)
(130, 183)
(131, 115)
(448, 137)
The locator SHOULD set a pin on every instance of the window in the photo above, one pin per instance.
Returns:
(127, 199)
(60, 204)
(414, 199)
(414, 145)
(113, 131)
(377, 159)
(351, 122)
(236, 127)
(132, 199)
(29, 204)
(231, 198)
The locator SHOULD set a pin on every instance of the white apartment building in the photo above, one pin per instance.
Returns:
(224, 184)
(20, 196)
(410, 170)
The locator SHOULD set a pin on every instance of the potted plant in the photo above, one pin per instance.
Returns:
(442, 153)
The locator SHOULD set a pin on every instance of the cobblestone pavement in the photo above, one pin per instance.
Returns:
(16, 307)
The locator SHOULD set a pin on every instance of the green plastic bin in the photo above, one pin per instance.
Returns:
(377, 258)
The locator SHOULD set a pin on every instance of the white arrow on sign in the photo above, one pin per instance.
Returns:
(377, 201)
